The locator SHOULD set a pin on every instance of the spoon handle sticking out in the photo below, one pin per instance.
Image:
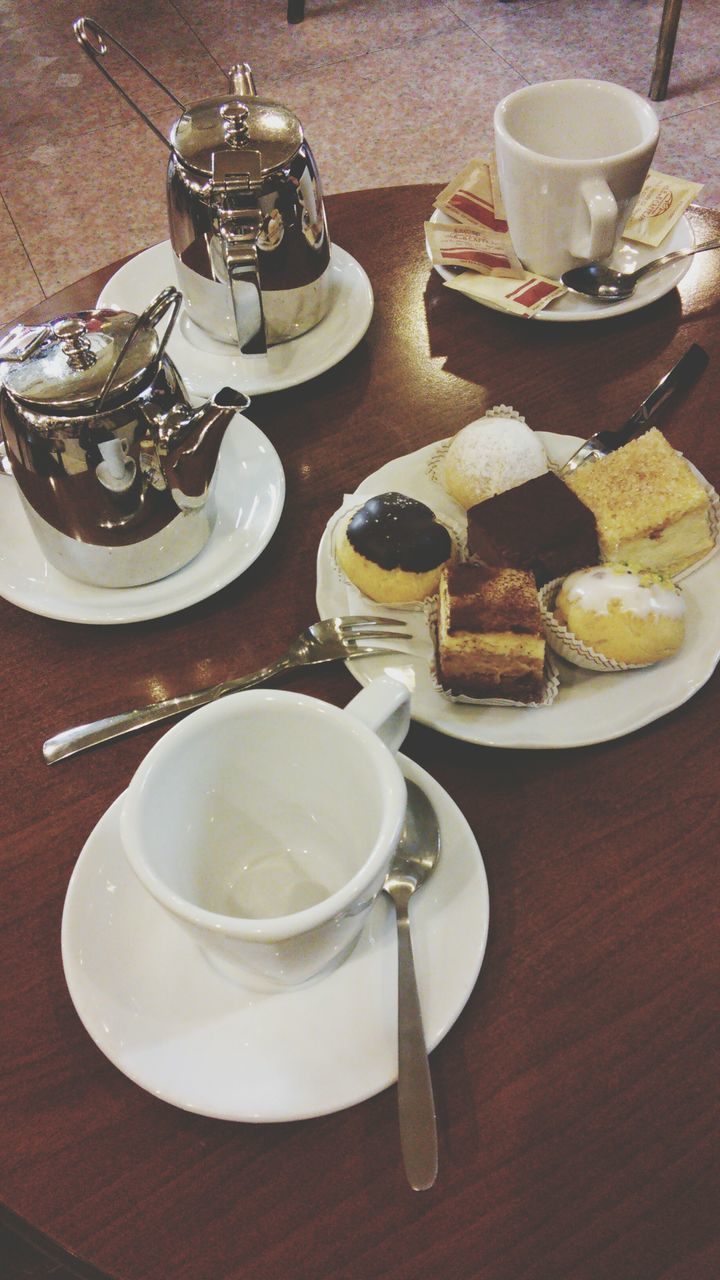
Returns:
(416, 1105)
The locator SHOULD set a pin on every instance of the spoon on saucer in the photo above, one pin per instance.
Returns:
(415, 858)
(595, 280)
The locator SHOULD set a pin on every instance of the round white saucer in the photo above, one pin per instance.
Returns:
(249, 494)
(628, 256)
(157, 1009)
(205, 364)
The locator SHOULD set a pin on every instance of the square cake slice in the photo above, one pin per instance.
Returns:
(490, 641)
(650, 509)
(540, 526)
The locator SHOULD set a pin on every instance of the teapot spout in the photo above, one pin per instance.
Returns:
(188, 449)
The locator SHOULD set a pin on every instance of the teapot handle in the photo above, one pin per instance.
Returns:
(241, 260)
(152, 315)
(93, 39)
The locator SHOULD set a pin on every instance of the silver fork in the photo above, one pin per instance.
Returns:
(325, 641)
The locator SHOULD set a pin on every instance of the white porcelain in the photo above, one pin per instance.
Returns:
(248, 499)
(572, 156)
(589, 708)
(627, 256)
(206, 364)
(158, 1010)
(265, 824)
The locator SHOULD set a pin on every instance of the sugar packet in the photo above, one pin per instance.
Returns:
(661, 203)
(473, 196)
(462, 245)
(519, 297)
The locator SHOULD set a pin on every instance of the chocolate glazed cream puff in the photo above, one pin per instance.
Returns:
(393, 549)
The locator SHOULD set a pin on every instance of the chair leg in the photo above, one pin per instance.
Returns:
(665, 49)
(295, 10)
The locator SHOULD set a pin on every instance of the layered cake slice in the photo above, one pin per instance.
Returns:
(490, 640)
(650, 509)
(540, 526)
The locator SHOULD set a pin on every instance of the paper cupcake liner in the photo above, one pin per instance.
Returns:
(352, 504)
(567, 645)
(551, 676)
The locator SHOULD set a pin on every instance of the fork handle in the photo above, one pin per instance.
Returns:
(83, 736)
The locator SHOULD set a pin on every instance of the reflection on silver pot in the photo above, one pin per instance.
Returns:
(113, 465)
(245, 207)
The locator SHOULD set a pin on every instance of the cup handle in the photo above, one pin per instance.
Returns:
(384, 706)
(596, 224)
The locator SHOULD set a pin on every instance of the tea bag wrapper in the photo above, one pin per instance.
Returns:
(461, 245)
(519, 297)
(660, 205)
(471, 198)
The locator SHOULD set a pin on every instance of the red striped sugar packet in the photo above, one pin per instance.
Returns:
(519, 297)
(473, 197)
(461, 245)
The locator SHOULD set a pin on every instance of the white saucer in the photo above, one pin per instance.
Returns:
(627, 257)
(589, 708)
(154, 1006)
(205, 365)
(249, 497)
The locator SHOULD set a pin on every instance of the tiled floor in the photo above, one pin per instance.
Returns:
(388, 90)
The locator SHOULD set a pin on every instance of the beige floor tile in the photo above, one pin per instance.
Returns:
(257, 31)
(51, 92)
(388, 121)
(102, 197)
(19, 286)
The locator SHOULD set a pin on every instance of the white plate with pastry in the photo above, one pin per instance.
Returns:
(590, 707)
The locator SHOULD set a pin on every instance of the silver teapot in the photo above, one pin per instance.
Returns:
(112, 463)
(245, 207)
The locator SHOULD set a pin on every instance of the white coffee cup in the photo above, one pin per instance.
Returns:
(572, 156)
(265, 824)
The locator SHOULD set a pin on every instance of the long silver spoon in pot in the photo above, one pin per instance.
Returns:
(415, 859)
(595, 280)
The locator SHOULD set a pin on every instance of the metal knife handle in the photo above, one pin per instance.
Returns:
(682, 375)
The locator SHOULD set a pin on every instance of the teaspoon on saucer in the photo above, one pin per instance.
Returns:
(415, 859)
(595, 280)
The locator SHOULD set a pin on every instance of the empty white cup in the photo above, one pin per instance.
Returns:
(572, 156)
(265, 824)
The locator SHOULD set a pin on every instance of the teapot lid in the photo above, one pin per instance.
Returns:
(66, 372)
(236, 122)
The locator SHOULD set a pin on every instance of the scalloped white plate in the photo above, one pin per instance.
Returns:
(589, 708)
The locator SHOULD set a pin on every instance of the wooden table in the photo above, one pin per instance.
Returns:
(576, 1093)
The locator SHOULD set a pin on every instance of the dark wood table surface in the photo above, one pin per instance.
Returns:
(577, 1093)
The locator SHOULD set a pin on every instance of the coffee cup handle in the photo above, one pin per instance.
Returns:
(594, 235)
(384, 706)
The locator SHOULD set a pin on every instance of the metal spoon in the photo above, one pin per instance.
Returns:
(415, 859)
(595, 280)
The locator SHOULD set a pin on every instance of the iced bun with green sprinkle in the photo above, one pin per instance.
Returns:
(632, 616)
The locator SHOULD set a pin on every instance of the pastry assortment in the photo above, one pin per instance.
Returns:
(582, 566)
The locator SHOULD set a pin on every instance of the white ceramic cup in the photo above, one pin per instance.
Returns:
(265, 824)
(572, 156)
